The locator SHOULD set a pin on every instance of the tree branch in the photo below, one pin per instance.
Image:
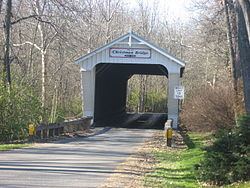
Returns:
(24, 18)
(30, 43)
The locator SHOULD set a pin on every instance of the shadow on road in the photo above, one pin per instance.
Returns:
(78, 159)
(135, 120)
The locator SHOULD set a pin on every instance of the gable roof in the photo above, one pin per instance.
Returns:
(137, 37)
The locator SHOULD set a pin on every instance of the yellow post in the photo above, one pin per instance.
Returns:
(31, 129)
(166, 133)
(169, 133)
(169, 136)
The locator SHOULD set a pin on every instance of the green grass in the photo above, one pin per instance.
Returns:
(176, 167)
(239, 185)
(5, 147)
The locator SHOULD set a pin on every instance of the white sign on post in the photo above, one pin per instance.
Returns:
(179, 92)
(130, 53)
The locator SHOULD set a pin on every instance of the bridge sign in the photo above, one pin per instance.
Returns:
(179, 92)
(130, 53)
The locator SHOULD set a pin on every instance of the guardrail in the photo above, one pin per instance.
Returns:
(55, 129)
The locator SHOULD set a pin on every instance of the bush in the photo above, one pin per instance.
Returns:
(133, 101)
(209, 109)
(154, 101)
(228, 159)
(18, 108)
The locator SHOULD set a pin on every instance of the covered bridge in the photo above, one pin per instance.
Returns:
(106, 70)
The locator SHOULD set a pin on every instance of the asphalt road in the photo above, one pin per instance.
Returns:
(77, 162)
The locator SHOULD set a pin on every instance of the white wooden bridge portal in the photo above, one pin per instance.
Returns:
(106, 70)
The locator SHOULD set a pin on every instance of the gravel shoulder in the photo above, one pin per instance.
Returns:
(131, 173)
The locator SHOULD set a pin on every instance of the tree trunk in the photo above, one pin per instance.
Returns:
(42, 48)
(229, 23)
(243, 56)
(141, 94)
(6, 71)
(1, 4)
(245, 6)
(43, 79)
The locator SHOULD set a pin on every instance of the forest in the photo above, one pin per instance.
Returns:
(41, 39)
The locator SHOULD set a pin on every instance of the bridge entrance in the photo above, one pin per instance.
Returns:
(105, 73)
(111, 82)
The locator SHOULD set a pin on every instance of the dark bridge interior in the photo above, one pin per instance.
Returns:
(111, 91)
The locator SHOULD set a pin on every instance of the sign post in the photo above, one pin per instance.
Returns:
(179, 92)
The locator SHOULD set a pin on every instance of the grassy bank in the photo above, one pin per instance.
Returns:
(5, 147)
(176, 167)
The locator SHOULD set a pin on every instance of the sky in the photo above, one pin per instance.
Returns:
(177, 9)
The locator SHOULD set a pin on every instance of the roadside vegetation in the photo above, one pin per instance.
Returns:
(18, 108)
(176, 167)
(227, 160)
(220, 158)
(6, 147)
(190, 167)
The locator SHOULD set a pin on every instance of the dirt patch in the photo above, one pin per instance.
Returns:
(130, 174)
